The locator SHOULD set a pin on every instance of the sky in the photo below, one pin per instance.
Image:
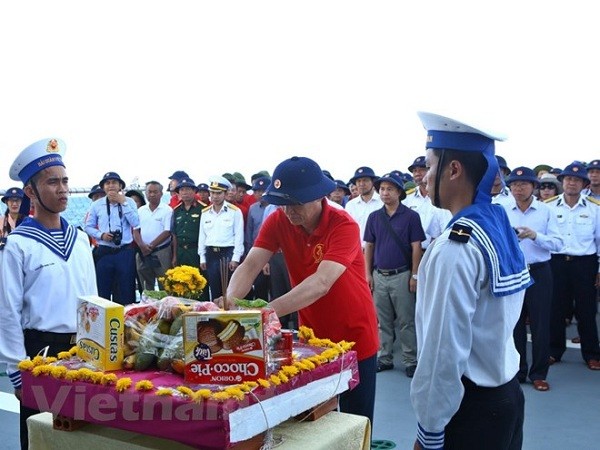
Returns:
(145, 88)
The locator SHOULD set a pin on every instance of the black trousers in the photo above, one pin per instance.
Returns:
(537, 304)
(33, 345)
(213, 269)
(361, 399)
(488, 418)
(574, 282)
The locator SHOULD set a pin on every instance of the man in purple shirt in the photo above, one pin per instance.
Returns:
(393, 236)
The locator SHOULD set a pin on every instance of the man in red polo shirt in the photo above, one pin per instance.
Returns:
(323, 253)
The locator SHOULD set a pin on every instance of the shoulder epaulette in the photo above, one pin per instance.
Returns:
(551, 199)
(410, 191)
(233, 207)
(593, 200)
(460, 233)
(206, 209)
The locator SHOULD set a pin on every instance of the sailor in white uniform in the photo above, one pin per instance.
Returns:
(45, 266)
(470, 290)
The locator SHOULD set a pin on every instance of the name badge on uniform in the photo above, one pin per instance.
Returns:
(583, 216)
(195, 215)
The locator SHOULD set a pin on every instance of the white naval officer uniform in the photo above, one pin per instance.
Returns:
(433, 219)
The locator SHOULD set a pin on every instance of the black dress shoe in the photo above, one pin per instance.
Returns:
(410, 371)
(384, 366)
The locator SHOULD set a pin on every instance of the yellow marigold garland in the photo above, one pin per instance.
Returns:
(40, 365)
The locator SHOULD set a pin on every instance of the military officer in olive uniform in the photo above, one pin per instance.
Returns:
(185, 225)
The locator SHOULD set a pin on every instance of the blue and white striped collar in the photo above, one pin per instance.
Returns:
(32, 229)
(494, 235)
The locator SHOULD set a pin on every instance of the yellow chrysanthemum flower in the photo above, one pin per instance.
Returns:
(184, 281)
(305, 333)
(283, 377)
(186, 391)
(85, 373)
(96, 377)
(41, 370)
(164, 391)
(235, 392)
(221, 396)
(290, 370)
(58, 371)
(108, 378)
(144, 385)
(123, 384)
(72, 375)
(202, 394)
(26, 364)
(275, 380)
(64, 355)
(264, 383)
(38, 360)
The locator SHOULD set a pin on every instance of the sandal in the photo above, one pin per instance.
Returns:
(593, 364)
(541, 385)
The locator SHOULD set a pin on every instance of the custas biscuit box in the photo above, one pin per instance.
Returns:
(224, 347)
(100, 325)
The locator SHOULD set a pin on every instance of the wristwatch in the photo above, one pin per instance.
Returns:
(415, 276)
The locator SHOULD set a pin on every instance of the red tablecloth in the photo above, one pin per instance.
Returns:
(203, 424)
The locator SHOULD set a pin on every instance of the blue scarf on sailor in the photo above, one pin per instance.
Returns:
(491, 229)
(32, 229)
(492, 232)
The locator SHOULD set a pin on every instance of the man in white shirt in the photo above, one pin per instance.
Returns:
(221, 235)
(45, 266)
(470, 290)
(433, 220)
(367, 201)
(153, 237)
(538, 236)
(575, 266)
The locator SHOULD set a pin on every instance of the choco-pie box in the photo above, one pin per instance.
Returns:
(100, 326)
(224, 347)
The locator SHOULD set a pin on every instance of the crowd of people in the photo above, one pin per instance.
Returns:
(458, 255)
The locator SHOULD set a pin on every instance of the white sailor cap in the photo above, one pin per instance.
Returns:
(37, 157)
(444, 133)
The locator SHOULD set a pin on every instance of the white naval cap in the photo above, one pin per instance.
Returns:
(218, 183)
(435, 122)
(37, 157)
